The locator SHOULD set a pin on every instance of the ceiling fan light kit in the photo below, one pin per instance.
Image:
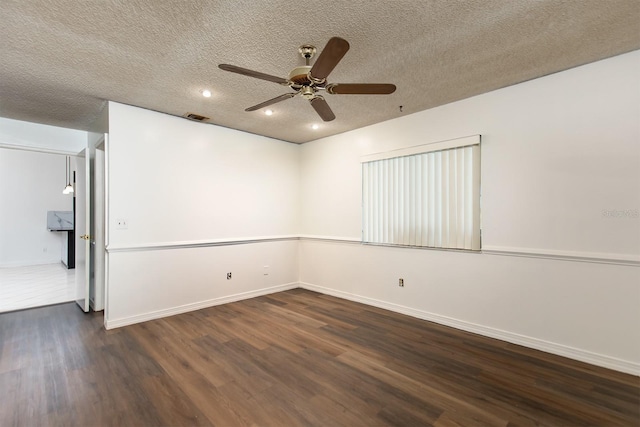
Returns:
(307, 80)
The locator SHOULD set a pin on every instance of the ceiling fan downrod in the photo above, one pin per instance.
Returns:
(307, 51)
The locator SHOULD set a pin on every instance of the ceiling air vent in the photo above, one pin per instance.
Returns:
(196, 117)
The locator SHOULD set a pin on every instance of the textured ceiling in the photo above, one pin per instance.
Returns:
(61, 59)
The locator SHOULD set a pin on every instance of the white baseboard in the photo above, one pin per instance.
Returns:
(535, 343)
(15, 264)
(117, 323)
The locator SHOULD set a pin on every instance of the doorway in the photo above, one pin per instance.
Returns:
(33, 258)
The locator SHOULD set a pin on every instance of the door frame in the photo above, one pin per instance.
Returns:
(98, 217)
(83, 227)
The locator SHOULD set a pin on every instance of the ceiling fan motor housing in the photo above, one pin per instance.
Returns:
(299, 75)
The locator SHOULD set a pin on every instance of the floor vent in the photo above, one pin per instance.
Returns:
(196, 117)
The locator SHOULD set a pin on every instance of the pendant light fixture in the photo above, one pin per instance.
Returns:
(69, 188)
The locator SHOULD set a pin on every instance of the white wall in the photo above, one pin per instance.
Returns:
(16, 133)
(174, 180)
(185, 186)
(31, 184)
(559, 272)
(148, 284)
(558, 154)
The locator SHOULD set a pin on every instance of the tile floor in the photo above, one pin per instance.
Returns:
(35, 285)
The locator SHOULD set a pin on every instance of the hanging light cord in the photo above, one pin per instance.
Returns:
(68, 188)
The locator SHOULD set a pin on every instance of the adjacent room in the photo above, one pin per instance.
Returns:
(448, 234)
(36, 216)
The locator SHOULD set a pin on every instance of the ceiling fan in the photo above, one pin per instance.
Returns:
(307, 80)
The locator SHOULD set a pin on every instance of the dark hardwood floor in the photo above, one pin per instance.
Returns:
(295, 358)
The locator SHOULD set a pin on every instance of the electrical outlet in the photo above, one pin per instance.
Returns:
(121, 224)
(229, 276)
(265, 270)
(401, 282)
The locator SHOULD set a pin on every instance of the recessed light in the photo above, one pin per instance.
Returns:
(315, 126)
(206, 93)
(268, 112)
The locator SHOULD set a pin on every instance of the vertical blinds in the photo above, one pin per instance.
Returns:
(428, 199)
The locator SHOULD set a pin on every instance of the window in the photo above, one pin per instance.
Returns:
(426, 196)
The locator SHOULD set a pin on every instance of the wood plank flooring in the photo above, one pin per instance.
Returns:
(295, 358)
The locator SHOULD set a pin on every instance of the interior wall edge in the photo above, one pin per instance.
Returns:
(144, 317)
(605, 361)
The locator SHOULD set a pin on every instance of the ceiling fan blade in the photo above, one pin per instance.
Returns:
(271, 101)
(322, 108)
(332, 53)
(251, 73)
(361, 88)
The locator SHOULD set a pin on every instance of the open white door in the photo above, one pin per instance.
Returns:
(83, 226)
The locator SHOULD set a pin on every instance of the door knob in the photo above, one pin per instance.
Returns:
(85, 237)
